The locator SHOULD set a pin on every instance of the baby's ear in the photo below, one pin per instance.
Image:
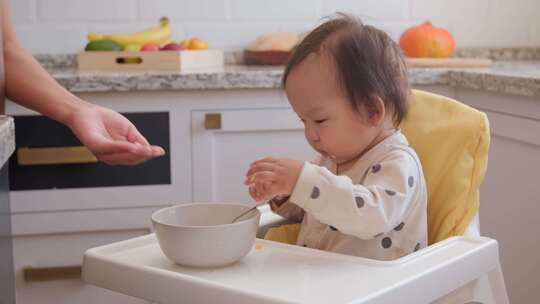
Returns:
(378, 112)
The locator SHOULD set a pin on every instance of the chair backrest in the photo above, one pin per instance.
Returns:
(452, 141)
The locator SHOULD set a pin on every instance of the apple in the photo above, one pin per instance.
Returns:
(171, 47)
(150, 47)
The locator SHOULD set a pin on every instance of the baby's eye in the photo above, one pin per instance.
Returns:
(320, 121)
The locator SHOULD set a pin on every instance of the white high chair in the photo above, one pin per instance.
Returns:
(471, 272)
(458, 269)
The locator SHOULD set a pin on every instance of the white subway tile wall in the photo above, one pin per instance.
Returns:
(24, 11)
(229, 35)
(184, 10)
(370, 10)
(275, 10)
(60, 26)
(81, 11)
(536, 35)
(44, 39)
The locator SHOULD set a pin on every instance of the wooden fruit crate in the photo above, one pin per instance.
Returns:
(185, 60)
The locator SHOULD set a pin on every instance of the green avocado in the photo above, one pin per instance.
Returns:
(103, 45)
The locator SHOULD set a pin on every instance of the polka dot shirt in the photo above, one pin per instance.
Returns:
(376, 209)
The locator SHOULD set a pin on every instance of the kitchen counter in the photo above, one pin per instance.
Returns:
(510, 77)
(7, 273)
(7, 138)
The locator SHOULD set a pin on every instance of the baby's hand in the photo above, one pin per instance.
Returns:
(269, 177)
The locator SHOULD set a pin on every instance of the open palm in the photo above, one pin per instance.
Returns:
(111, 137)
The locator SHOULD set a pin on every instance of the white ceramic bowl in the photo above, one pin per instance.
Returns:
(201, 234)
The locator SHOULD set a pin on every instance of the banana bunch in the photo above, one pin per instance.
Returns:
(160, 34)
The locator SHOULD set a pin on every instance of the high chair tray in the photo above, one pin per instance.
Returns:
(279, 273)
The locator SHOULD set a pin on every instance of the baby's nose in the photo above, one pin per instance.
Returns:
(312, 135)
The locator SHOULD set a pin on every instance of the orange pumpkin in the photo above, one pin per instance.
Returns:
(426, 40)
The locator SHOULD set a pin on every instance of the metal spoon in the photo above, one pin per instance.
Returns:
(248, 211)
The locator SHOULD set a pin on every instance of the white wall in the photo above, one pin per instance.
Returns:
(60, 26)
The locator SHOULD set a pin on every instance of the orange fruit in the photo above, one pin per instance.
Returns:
(198, 44)
(426, 40)
(194, 43)
(185, 44)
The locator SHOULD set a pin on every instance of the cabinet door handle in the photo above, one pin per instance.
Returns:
(52, 273)
(212, 121)
(54, 156)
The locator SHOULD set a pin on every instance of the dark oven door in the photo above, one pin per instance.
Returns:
(49, 156)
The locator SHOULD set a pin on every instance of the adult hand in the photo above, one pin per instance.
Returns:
(111, 137)
(269, 177)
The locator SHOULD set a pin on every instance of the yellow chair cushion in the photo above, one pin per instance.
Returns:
(284, 234)
(452, 141)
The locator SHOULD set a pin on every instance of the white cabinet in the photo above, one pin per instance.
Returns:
(48, 250)
(47, 266)
(225, 142)
(209, 162)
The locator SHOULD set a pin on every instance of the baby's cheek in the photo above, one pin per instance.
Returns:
(333, 138)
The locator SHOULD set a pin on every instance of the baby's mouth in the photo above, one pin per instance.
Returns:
(326, 154)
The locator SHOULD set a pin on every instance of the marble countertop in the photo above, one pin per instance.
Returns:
(511, 77)
(7, 138)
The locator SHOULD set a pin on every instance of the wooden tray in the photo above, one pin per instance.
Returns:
(185, 60)
(266, 57)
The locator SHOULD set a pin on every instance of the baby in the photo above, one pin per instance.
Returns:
(365, 194)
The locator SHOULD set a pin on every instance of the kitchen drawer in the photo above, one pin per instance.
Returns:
(47, 268)
(81, 221)
(39, 132)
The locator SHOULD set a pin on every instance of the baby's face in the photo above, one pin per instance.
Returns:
(333, 126)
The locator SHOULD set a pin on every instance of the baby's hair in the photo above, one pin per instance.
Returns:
(368, 62)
